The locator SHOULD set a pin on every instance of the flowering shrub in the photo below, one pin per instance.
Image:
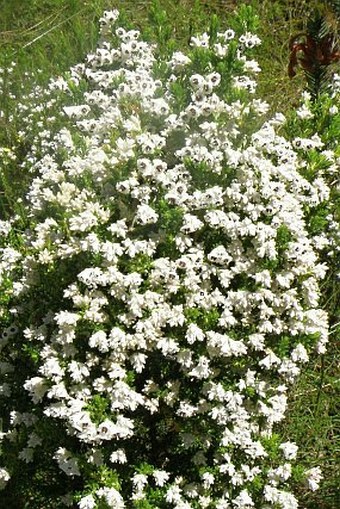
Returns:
(160, 292)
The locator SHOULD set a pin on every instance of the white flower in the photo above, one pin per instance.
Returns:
(118, 456)
(249, 40)
(221, 50)
(257, 341)
(204, 502)
(223, 503)
(87, 502)
(37, 388)
(161, 477)
(194, 333)
(208, 479)
(146, 215)
(244, 500)
(243, 82)
(304, 112)
(99, 340)
(283, 499)
(109, 17)
(4, 478)
(280, 474)
(201, 41)
(107, 430)
(112, 497)
(299, 354)
(191, 223)
(270, 360)
(66, 318)
(220, 256)
(139, 482)
(289, 450)
(83, 221)
(173, 494)
(227, 35)
(125, 148)
(253, 66)
(178, 60)
(66, 462)
(5, 227)
(222, 344)
(202, 369)
(314, 477)
(77, 111)
(186, 409)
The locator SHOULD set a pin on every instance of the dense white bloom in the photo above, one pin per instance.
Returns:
(177, 282)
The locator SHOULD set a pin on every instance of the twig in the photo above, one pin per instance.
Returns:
(45, 20)
(21, 31)
(51, 29)
(304, 393)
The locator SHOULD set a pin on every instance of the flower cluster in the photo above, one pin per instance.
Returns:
(164, 293)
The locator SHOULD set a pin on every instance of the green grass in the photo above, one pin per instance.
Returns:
(52, 35)
(48, 35)
(313, 421)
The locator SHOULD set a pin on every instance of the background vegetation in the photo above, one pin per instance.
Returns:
(41, 38)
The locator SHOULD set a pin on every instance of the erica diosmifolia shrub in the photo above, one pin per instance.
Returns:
(164, 294)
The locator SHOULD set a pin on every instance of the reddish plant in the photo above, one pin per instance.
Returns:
(310, 54)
